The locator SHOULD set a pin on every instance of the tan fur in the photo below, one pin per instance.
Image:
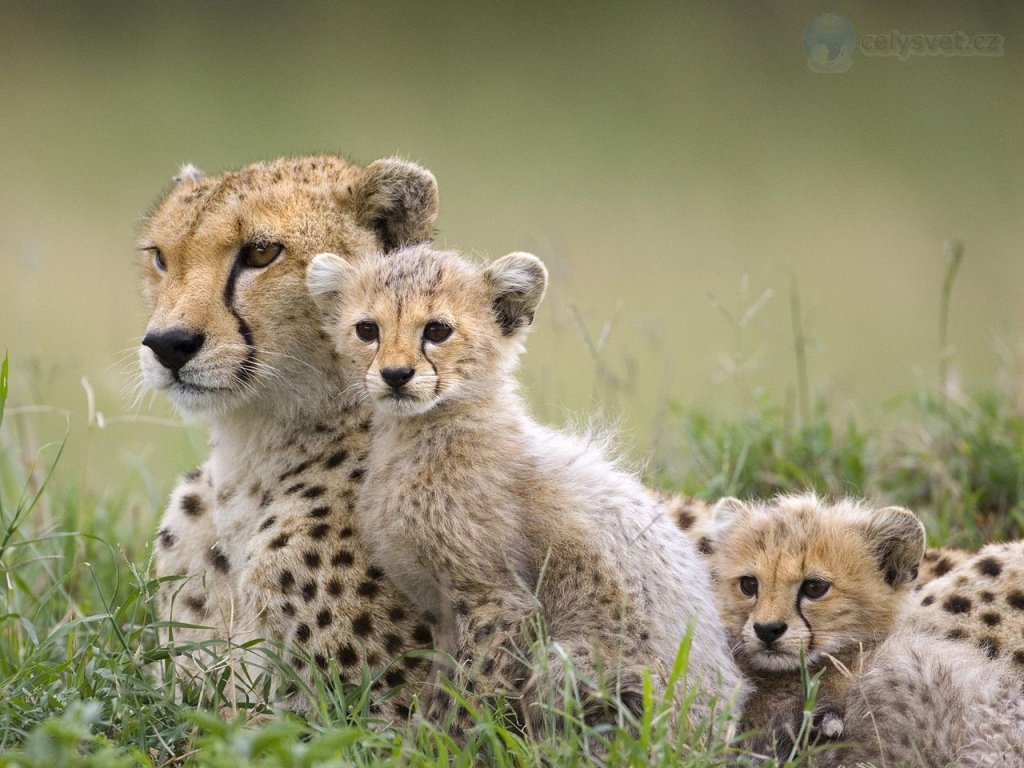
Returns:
(868, 558)
(262, 540)
(922, 701)
(487, 519)
(980, 601)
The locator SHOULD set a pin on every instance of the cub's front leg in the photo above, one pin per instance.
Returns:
(485, 634)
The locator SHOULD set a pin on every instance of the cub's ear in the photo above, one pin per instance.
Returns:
(726, 512)
(518, 282)
(723, 515)
(896, 538)
(398, 201)
(188, 173)
(326, 275)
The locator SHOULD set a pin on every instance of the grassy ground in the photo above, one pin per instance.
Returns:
(80, 662)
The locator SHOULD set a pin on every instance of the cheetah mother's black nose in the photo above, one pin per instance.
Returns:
(175, 347)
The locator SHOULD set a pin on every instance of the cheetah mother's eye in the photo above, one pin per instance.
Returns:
(367, 331)
(259, 255)
(436, 331)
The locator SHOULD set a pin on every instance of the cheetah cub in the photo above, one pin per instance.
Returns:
(488, 520)
(798, 582)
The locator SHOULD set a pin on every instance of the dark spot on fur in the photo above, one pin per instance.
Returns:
(392, 643)
(219, 560)
(289, 609)
(685, 520)
(364, 425)
(989, 566)
(319, 531)
(942, 567)
(345, 532)
(462, 607)
(990, 645)
(321, 660)
(704, 546)
(957, 604)
(194, 474)
(928, 600)
(375, 573)
(990, 618)
(323, 618)
(312, 559)
(368, 589)
(347, 655)
(1018, 657)
(334, 587)
(318, 512)
(362, 624)
(421, 634)
(394, 677)
(1016, 600)
(298, 469)
(955, 634)
(192, 505)
(294, 488)
(269, 521)
(196, 602)
(265, 501)
(397, 614)
(315, 492)
(357, 474)
(309, 591)
(343, 557)
(302, 633)
(165, 538)
(985, 596)
(280, 541)
(335, 459)
(286, 580)
(321, 429)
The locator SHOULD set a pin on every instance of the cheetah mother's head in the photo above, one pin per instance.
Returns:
(233, 326)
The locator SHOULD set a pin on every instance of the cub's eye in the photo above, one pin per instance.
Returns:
(367, 331)
(814, 588)
(748, 586)
(435, 331)
(259, 255)
(158, 259)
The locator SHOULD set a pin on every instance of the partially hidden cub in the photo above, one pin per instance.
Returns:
(802, 582)
(488, 520)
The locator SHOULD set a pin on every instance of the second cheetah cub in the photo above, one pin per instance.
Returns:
(488, 520)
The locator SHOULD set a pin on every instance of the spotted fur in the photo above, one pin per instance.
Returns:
(262, 542)
(487, 519)
(980, 601)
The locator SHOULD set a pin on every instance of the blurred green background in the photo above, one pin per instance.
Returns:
(667, 160)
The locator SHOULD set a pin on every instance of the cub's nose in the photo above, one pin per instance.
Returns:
(175, 347)
(396, 377)
(769, 633)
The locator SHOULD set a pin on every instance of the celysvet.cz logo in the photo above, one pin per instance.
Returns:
(830, 43)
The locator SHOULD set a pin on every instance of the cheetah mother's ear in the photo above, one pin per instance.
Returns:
(398, 201)
(897, 540)
(326, 275)
(518, 282)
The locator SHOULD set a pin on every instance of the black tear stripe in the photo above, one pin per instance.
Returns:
(248, 367)
(437, 379)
